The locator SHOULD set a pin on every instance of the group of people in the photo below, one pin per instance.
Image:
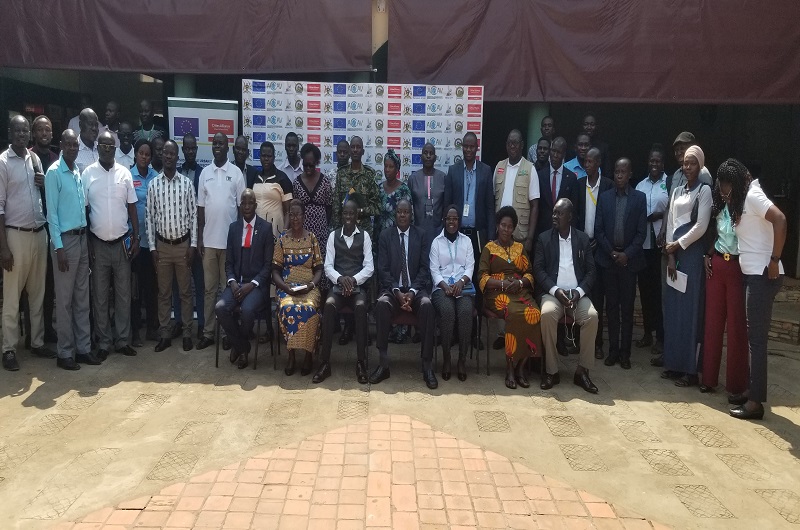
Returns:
(537, 244)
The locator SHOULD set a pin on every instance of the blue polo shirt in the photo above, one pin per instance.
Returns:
(140, 185)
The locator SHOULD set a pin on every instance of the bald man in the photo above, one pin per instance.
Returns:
(87, 139)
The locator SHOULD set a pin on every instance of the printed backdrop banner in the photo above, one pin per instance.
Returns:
(385, 116)
(203, 118)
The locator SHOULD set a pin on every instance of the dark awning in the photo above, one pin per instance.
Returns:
(188, 36)
(662, 51)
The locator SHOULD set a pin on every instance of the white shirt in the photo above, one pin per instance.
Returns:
(592, 194)
(368, 266)
(680, 213)
(252, 225)
(108, 194)
(127, 160)
(508, 185)
(559, 176)
(451, 260)
(657, 201)
(566, 268)
(86, 155)
(20, 200)
(755, 233)
(292, 172)
(407, 233)
(219, 193)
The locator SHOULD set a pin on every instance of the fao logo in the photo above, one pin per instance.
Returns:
(355, 105)
(273, 137)
(434, 125)
(354, 122)
(355, 89)
(433, 90)
(434, 107)
(273, 120)
(274, 86)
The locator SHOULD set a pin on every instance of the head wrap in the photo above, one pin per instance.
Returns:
(390, 155)
(696, 152)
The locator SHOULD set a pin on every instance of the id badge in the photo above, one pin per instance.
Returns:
(466, 210)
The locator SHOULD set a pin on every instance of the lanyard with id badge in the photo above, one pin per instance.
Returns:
(429, 201)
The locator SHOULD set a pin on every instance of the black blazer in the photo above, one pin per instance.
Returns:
(389, 259)
(579, 218)
(262, 246)
(484, 196)
(568, 190)
(547, 255)
(635, 228)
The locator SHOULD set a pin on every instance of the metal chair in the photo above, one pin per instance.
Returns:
(488, 315)
(261, 314)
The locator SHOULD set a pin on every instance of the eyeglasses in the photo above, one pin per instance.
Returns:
(106, 147)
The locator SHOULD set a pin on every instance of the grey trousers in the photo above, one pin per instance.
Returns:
(760, 292)
(72, 298)
(452, 312)
(585, 316)
(171, 262)
(111, 264)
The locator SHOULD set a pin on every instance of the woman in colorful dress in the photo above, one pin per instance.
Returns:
(296, 272)
(507, 285)
(273, 191)
(314, 191)
(393, 190)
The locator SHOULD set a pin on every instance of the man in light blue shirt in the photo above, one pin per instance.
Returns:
(66, 215)
(582, 146)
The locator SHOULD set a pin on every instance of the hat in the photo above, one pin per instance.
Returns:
(696, 152)
(684, 138)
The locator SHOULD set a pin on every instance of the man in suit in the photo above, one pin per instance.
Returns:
(564, 269)
(405, 281)
(248, 262)
(517, 184)
(241, 153)
(589, 189)
(555, 182)
(620, 229)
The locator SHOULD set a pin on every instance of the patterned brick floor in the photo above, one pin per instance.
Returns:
(387, 471)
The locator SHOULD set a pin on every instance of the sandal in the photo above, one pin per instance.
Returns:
(687, 381)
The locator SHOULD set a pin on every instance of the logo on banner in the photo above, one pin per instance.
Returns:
(328, 90)
(474, 126)
(355, 123)
(315, 139)
(339, 89)
(436, 142)
(259, 87)
(273, 104)
(407, 127)
(407, 110)
(355, 89)
(313, 105)
(379, 107)
(187, 126)
(395, 91)
(298, 105)
(394, 125)
(369, 108)
(246, 105)
(395, 109)
(328, 124)
(475, 92)
(339, 106)
(379, 124)
(435, 108)
(259, 103)
(327, 158)
(474, 110)
(379, 141)
(298, 122)
(368, 127)
(327, 142)
(458, 159)
(393, 142)
(458, 143)
(338, 138)
(259, 120)
(259, 137)
(300, 138)
(459, 109)
(314, 123)
(379, 159)
(220, 126)
(435, 92)
(247, 122)
(460, 92)
(407, 93)
(379, 90)
(340, 123)
(355, 106)
(459, 126)
(246, 87)
(313, 89)
(418, 142)
(419, 91)
(328, 107)
(416, 159)
(418, 109)
(274, 86)
(434, 125)
(298, 88)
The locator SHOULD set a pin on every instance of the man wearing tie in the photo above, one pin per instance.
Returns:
(555, 182)
(248, 259)
(404, 282)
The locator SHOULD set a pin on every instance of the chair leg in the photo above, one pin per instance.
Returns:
(255, 353)
(278, 343)
(216, 343)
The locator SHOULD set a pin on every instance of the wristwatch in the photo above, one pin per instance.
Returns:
(776, 259)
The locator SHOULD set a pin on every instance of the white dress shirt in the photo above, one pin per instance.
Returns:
(368, 266)
(291, 171)
(559, 176)
(657, 201)
(127, 160)
(407, 233)
(219, 191)
(108, 193)
(592, 194)
(86, 155)
(754, 232)
(566, 268)
(451, 260)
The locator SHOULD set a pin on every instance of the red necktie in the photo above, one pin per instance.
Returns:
(248, 236)
(553, 185)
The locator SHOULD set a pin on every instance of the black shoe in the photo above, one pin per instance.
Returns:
(598, 352)
(102, 354)
(461, 369)
(737, 399)
(162, 345)
(204, 343)
(346, 336)
(446, 368)
(625, 364)
(88, 358)
(242, 362)
(68, 364)
(361, 372)
(177, 330)
(610, 361)
(670, 374)
(705, 389)
(379, 375)
(657, 361)
(687, 380)
(226, 343)
(430, 379)
(645, 341)
(323, 372)
(187, 344)
(10, 361)
(499, 343)
(742, 413)
(126, 350)
(549, 380)
(45, 353)
(583, 381)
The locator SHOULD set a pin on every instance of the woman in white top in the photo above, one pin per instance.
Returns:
(273, 191)
(761, 232)
(689, 214)
(452, 263)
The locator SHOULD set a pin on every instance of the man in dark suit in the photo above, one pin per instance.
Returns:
(248, 262)
(555, 182)
(564, 269)
(405, 281)
(589, 189)
(620, 230)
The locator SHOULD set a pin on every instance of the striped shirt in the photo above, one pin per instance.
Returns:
(86, 155)
(171, 209)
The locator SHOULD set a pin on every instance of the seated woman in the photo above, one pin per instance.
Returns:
(452, 263)
(507, 285)
(296, 272)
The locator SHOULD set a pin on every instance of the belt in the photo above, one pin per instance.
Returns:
(113, 241)
(177, 241)
(74, 232)
(467, 231)
(726, 256)
(37, 229)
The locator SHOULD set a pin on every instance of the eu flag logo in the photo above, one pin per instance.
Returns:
(338, 138)
(340, 106)
(418, 125)
(418, 142)
(340, 123)
(419, 91)
(259, 137)
(186, 126)
(416, 158)
(259, 120)
(339, 89)
(257, 154)
(419, 108)
(259, 103)
(259, 86)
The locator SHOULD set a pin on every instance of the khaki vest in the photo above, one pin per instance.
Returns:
(520, 198)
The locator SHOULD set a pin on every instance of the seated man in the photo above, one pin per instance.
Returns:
(404, 280)
(248, 265)
(348, 265)
(564, 268)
